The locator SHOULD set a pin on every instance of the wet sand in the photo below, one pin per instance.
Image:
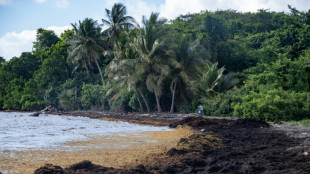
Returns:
(122, 152)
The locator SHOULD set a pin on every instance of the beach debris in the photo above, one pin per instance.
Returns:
(205, 140)
(49, 109)
(86, 166)
(49, 169)
(36, 114)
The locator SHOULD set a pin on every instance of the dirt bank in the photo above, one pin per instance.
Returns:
(223, 146)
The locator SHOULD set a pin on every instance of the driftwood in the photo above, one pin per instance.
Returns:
(36, 114)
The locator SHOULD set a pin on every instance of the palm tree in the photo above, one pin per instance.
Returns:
(211, 77)
(187, 66)
(153, 60)
(125, 80)
(117, 21)
(87, 44)
(214, 80)
(121, 70)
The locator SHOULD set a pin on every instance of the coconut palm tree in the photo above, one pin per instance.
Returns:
(214, 80)
(125, 80)
(189, 59)
(153, 60)
(211, 77)
(87, 44)
(121, 70)
(117, 21)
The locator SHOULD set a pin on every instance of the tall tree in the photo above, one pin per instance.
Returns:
(54, 57)
(23, 66)
(121, 70)
(87, 44)
(187, 66)
(44, 39)
(117, 21)
(153, 60)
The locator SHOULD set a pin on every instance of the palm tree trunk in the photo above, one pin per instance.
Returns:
(99, 70)
(140, 104)
(173, 96)
(145, 101)
(158, 103)
(87, 71)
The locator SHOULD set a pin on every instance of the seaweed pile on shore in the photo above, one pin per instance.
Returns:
(220, 146)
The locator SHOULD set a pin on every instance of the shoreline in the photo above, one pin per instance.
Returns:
(97, 149)
(155, 119)
(216, 146)
(101, 150)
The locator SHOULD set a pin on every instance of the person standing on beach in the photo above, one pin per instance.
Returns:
(200, 110)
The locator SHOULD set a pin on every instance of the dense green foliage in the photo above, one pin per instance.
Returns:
(279, 90)
(250, 65)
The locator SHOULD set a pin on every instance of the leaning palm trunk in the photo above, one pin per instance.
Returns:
(158, 103)
(99, 71)
(173, 96)
(145, 101)
(141, 108)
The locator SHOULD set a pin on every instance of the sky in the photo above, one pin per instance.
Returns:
(20, 19)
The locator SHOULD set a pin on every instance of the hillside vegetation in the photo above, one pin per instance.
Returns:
(250, 65)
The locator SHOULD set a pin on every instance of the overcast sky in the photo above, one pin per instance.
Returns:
(20, 18)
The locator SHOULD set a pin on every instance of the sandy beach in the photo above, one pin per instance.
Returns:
(121, 152)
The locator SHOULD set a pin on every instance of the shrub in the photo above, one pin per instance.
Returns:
(93, 97)
(188, 106)
(69, 99)
(220, 104)
(122, 103)
(51, 96)
(31, 102)
(271, 104)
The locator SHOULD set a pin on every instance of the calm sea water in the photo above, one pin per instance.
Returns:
(19, 131)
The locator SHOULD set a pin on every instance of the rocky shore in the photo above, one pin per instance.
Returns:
(217, 146)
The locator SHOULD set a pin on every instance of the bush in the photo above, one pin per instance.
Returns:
(220, 104)
(122, 103)
(272, 104)
(276, 91)
(188, 106)
(69, 99)
(284, 73)
(93, 97)
(51, 96)
(14, 91)
(31, 102)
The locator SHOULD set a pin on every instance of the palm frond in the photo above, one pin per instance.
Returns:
(227, 82)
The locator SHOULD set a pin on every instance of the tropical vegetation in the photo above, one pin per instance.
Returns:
(249, 65)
